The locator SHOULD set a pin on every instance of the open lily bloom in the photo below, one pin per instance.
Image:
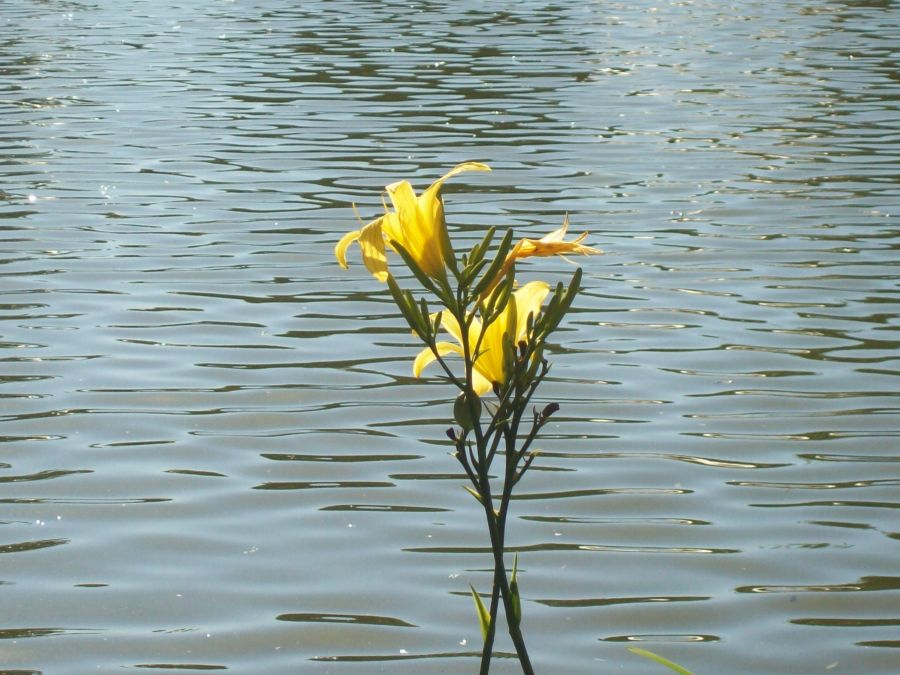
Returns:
(513, 321)
(417, 224)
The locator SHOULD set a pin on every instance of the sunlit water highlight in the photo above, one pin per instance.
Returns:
(213, 455)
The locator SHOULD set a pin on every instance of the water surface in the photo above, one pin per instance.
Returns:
(213, 455)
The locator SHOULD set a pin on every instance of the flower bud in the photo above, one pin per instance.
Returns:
(462, 411)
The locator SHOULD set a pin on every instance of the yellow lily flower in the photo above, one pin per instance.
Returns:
(417, 224)
(513, 321)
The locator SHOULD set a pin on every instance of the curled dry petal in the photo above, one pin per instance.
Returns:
(553, 243)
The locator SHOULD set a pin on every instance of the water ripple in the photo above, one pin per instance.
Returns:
(201, 411)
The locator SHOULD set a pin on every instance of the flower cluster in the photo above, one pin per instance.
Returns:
(416, 229)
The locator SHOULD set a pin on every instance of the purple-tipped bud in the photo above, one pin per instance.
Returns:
(451, 434)
(549, 409)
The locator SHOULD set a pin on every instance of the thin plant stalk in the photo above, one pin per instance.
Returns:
(496, 520)
(484, 293)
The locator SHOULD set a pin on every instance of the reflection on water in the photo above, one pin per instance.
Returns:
(214, 455)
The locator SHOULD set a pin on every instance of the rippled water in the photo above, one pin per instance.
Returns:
(213, 453)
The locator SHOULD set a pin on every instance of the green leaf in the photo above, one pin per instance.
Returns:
(484, 617)
(572, 291)
(496, 265)
(536, 363)
(413, 266)
(476, 255)
(470, 272)
(550, 316)
(425, 316)
(407, 306)
(498, 299)
(475, 261)
(559, 305)
(474, 494)
(660, 660)
(514, 591)
(448, 252)
(568, 297)
(509, 353)
(435, 321)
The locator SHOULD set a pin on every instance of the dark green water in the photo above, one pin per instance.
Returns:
(213, 455)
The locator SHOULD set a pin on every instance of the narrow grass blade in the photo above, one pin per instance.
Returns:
(660, 660)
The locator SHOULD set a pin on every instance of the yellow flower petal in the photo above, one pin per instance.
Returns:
(371, 241)
(553, 243)
(390, 227)
(417, 224)
(481, 384)
(451, 325)
(431, 203)
(430, 199)
(465, 166)
(403, 197)
(559, 233)
(340, 249)
(512, 322)
(420, 233)
(529, 300)
(490, 361)
(426, 356)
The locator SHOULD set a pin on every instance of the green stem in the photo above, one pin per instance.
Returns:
(496, 521)
(486, 445)
(515, 629)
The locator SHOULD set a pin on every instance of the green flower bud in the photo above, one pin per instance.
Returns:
(462, 411)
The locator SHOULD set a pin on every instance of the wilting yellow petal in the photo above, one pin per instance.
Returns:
(340, 249)
(559, 233)
(552, 244)
(371, 241)
(426, 356)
